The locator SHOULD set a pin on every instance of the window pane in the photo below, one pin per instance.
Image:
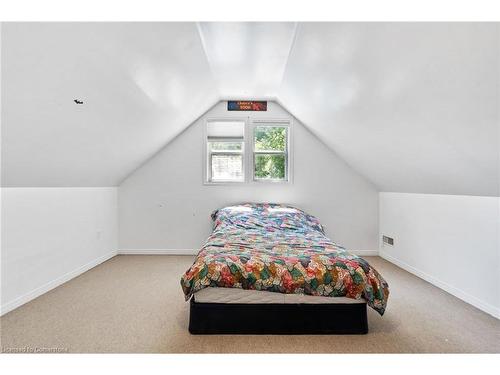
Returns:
(270, 138)
(270, 166)
(225, 146)
(227, 167)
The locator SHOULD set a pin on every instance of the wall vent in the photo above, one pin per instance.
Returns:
(388, 240)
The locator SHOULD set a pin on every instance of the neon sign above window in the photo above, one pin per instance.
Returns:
(233, 105)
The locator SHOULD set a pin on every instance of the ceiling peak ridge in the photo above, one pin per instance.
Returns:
(209, 63)
(292, 45)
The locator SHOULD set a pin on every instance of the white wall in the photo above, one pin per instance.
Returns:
(50, 235)
(165, 205)
(449, 240)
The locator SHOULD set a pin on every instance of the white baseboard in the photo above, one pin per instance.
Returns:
(158, 251)
(11, 305)
(364, 253)
(464, 296)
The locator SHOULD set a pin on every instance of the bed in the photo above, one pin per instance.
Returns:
(270, 269)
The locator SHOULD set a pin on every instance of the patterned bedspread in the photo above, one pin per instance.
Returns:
(280, 249)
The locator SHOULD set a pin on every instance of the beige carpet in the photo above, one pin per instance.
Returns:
(135, 304)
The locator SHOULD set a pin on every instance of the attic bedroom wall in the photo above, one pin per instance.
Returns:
(451, 241)
(50, 235)
(164, 205)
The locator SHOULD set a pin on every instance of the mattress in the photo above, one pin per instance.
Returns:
(237, 295)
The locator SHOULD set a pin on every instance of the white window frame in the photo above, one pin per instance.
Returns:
(207, 165)
(248, 153)
(280, 122)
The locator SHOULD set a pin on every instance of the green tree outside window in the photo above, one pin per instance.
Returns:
(270, 157)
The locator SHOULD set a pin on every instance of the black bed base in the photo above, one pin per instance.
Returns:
(279, 319)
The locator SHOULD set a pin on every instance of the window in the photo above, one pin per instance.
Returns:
(270, 152)
(225, 151)
(240, 150)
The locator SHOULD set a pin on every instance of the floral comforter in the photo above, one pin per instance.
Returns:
(280, 249)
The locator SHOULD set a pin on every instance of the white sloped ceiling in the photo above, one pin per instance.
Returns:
(141, 84)
(411, 106)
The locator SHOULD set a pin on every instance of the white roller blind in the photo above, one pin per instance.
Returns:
(226, 129)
